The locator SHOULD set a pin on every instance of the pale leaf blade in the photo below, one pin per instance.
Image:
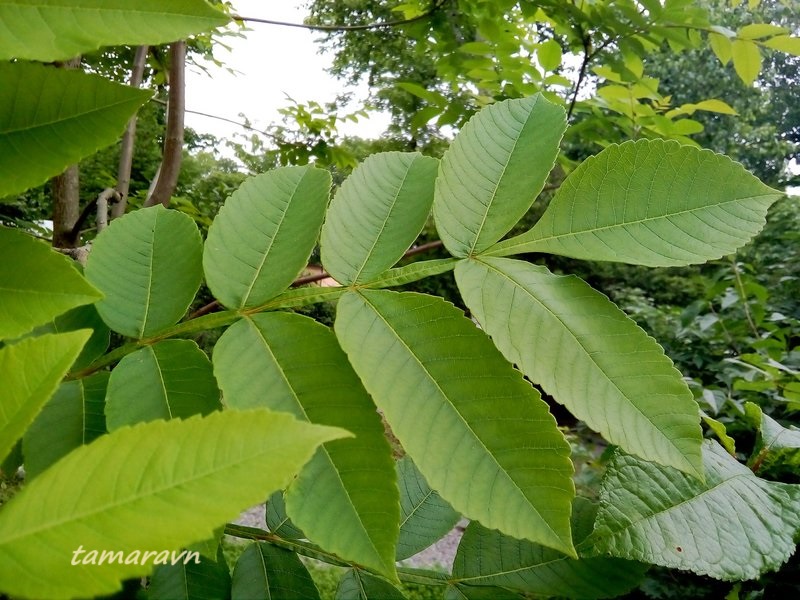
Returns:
(145, 488)
(51, 30)
(587, 354)
(167, 380)
(58, 116)
(734, 526)
(73, 417)
(263, 235)
(346, 498)
(478, 432)
(37, 284)
(486, 557)
(31, 371)
(376, 214)
(266, 571)
(493, 171)
(650, 202)
(148, 265)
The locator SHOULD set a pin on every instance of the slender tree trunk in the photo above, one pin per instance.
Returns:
(173, 143)
(66, 194)
(128, 139)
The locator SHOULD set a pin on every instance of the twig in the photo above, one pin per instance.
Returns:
(435, 6)
(587, 56)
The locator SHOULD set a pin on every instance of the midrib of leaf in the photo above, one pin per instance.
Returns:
(385, 221)
(264, 570)
(497, 183)
(531, 568)
(149, 276)
(271, 242)
(504, 249)
(417, 506)
(589, 355)
(74, 117)
(161, 379)
(453, 410)
(123, 12)
(361, 589)
(83, 411)
(322, 446)
(136, 497)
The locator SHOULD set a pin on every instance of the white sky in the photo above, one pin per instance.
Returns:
(271, 61)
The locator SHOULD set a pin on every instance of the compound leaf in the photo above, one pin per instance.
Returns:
(51, 30)
(346, 498)
(588, 355)
(650, 202)
(493, 171)
(263, 235)
(148, 265)
(358, 585)
(38, 284)
(734, 526)
(479, 433)
(30, 371)
(376, 214)
(144, 489)
(51, 118)
(170, 379)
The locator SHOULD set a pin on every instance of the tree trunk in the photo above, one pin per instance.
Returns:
(66, 194)
(128, 139)
(173, 143)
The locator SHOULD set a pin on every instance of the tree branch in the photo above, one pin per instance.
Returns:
(173, 144)
(587, 56)
(128, 139)
(435, 6)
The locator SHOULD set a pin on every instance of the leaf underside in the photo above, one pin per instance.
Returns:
(266, 571)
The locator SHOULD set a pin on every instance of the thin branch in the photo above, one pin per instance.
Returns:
(108, 194)
(217, 117)
(435, 6)
(587, 56)
(215, 305)
(743, 297)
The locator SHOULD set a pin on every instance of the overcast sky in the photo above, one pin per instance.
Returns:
(271, 62)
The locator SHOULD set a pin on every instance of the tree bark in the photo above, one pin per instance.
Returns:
(128, 139)
(66, 194)
(173, 143)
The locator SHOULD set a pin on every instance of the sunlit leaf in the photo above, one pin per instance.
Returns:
(144, 488)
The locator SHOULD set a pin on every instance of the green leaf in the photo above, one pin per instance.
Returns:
(191, 579)
(587, 354)
(278, 521)
(263, 235)
(30, 371)
(358, 585)
(746, 60)
(346, 498)
(170, 379)
(38, 284)
(734, 526)
(549, 55)
(476, 592)
(58, 116)
(721, 46)
(72, 418)
(478, 432)
(425, 516)
(51, 30)
(265, 571)
(488, 558)
(777, 447)
(650, 202)
(82, 317)
(784, 43)
(494, 170)
(712, 105)
(432, 97)
(376, 214)
(144, 488)
(755, 31)
(148, 265)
